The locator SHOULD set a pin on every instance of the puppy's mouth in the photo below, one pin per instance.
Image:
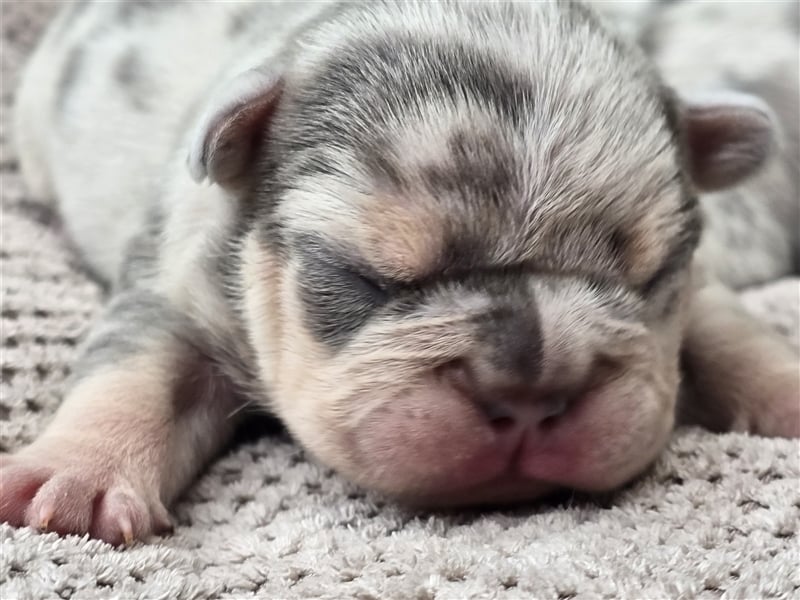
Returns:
(431, 449)
(517, 466)
(540, 446)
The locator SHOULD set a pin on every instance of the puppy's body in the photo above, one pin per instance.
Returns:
(109, 59)
(124, 63)
(443, 149)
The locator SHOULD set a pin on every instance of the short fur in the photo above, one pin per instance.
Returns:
(453, 246)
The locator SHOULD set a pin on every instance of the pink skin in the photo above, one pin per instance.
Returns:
(48, 494)
(564, 451)
(123, 444)
(445, 450)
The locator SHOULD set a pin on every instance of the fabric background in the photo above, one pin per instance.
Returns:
(717, 516)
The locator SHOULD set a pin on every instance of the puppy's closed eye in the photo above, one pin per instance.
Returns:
(339, 298)
(673, 263)
(366, 286)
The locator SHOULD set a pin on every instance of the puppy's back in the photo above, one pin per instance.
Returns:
(105, 100)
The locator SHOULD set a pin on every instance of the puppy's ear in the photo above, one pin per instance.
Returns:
(728, 137)
(228, 132)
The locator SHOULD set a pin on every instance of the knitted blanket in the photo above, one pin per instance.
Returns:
(717, 516)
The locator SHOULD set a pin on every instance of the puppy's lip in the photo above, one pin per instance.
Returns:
(473, 462)
(531, 466)
(500, 471)
(558, 451)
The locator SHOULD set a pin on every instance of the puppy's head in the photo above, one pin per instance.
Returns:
(471, 233)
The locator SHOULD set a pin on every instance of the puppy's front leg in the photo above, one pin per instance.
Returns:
(739, 375)
(147, 409)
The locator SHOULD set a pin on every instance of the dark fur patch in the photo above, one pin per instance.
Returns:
(338, 296)
(75, 9)
(242, 20)
(69, 77)
(793, 15)
(477, 167)
(688, 214)
(673, 121)
(511, 337)
(129, 73)
(133, 9)
(682, 247)
(141, 253)
(382, 166)
(228, 263)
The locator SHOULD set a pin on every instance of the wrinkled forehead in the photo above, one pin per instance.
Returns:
(431, 153)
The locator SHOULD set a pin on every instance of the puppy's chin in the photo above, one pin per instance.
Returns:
(431, 447)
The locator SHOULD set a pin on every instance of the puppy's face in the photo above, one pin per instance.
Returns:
(471, 265)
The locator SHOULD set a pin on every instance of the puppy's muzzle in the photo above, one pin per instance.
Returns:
(507, 401)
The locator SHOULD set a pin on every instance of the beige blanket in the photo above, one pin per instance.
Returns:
(718, 516)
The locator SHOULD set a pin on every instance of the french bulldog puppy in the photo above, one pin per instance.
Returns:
(452, 246)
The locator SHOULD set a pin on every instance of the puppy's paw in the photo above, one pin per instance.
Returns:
(775, 409)
(739, 375)
(73, 492)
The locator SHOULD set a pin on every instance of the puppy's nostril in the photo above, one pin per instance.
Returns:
(501, 417)
(504, 404)
(551, 410)
(502, 424)
(497, 412)
(547, 423)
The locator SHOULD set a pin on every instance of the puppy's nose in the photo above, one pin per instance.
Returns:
(505, 400)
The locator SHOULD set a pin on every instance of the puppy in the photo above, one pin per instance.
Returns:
(452, 246)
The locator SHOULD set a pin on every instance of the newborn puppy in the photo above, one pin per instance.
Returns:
(450, 245)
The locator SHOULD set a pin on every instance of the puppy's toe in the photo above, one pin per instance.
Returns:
(122, 516)
(19, 484)
(77, 495)
(62, 504)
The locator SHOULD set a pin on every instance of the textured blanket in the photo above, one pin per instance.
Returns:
(717, 516)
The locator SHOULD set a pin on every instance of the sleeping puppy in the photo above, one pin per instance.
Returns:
(452, 246)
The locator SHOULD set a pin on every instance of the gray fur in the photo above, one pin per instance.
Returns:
(680, 32)
(419, 216)
(243, 20)
(70, 15)
(69, 76)
(130, 74)
(133, 9)
(141, 257)
(338, 296)
(134, 321)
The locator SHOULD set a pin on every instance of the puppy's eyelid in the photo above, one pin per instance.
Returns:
(661, 276)
(365, 275)
(372, 280)
(379, 286)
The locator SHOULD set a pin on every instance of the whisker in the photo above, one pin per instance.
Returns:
(239, 409)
